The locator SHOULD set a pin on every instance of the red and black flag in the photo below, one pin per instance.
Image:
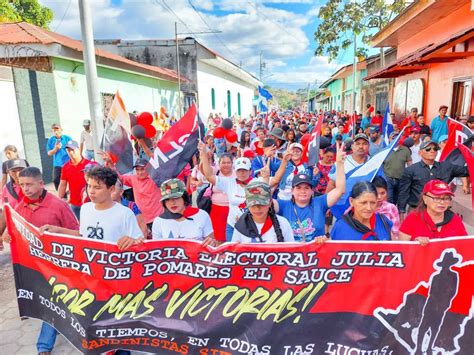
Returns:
(176, 148)
(457, 134)
(116, 141)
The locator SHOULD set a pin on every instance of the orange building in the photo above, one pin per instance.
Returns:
(435, 57)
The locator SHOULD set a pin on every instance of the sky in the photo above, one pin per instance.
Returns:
(280, 31)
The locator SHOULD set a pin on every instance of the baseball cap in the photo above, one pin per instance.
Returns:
(361, 136)
(296, 145)
(408, 142)
(437, 187)
(257, 193)
(72, 145)
(415, 129)
(242, 163)
(301, 179)
(86, 122)
(374, 129)
(140, 162)
(443, 138)
(172, 188)
(16, 163)
(427, 143)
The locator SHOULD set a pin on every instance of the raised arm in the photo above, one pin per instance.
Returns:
(206, 165)
(340, 188)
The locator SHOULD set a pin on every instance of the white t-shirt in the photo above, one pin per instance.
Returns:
(415, 156)
(86, 138)
(196, 229)
(270, 236)
(236, 194)
(349, 164)
(108, 225)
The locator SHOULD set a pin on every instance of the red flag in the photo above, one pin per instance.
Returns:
(469, 157)
(457, 133)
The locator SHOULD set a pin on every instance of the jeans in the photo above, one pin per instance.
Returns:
(392, 189)
(56, 176)
(47, 338)
(89, 154)
(229, 231)
(76, 210)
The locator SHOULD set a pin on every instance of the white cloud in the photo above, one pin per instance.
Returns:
(249, 28)
(318, 69)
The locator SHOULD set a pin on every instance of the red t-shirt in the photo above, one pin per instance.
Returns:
(377, 121)
(421, 225)
(257, 149)
(74, 175)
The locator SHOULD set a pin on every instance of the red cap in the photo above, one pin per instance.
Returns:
(416, 129)
(437, 187)
(248, 154)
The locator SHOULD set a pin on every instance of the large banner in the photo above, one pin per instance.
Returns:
(176, 296)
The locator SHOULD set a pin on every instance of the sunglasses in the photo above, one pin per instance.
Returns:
(429, 149)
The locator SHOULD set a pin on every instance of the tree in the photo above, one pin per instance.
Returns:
(30, 11)
(341, 19)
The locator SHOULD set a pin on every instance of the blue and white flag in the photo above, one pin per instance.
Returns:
(264, 93)
(387, 125)
(365, 172)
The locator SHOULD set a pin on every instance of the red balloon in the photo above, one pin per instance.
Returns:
(145, 118)
(150, 131)
(219, 132)
(231, 136)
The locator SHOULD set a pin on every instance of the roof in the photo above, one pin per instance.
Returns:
(341, 72)
(431, 53)
(26, 33)
(414, 19)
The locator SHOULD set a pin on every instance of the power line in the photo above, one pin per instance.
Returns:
(62, 18)
(215, 35)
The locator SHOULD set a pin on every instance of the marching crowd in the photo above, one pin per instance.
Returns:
(253, 189)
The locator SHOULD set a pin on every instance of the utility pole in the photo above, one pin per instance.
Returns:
(354, 71)
(262, 65)
(97, 120)
(177, 68)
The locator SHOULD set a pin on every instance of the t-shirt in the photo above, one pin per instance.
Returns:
(86, 138)
(74, 176)
(196, 229)
(285, 193)
(343, 231)
(439, 128)
(130, 205)
(60, 157)
(395, 163)
(415, 155)
(268, 237)
(236, 194)
(421, 225)
(108, 225)
(349, 165)
(375, 148)
(311, 217)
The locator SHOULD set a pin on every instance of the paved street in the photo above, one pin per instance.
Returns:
(17, 336)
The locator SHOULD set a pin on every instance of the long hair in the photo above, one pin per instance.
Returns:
(244, 143)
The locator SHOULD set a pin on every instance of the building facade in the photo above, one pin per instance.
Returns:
(216, 84)
(435, 57)
(44, 80)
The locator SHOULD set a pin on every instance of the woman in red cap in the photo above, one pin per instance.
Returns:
(433, 218)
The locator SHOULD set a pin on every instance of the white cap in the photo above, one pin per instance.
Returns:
(242, 163)
(296, 145)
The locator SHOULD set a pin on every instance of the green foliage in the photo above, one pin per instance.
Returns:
(287, 99)
(341, 19)
(30, 11)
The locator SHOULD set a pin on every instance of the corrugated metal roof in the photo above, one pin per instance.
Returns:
(26, 33)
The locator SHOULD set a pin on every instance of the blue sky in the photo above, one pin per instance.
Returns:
(282, 30)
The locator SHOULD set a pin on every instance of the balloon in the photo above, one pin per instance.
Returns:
(133, 119)
(231, 136)
(145, 118)
(227, 123)
(138, 131)
(150, 131)
(219, 132)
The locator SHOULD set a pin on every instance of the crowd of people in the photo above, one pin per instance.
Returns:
(257, 189)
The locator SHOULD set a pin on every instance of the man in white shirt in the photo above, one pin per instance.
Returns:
(86, 142)
(103, 218)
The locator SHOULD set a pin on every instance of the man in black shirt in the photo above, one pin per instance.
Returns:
(417, 175)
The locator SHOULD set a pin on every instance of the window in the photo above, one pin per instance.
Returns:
(238, 104)
(213, 98)
(229, 108)
(408, 94)
(462, 97)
